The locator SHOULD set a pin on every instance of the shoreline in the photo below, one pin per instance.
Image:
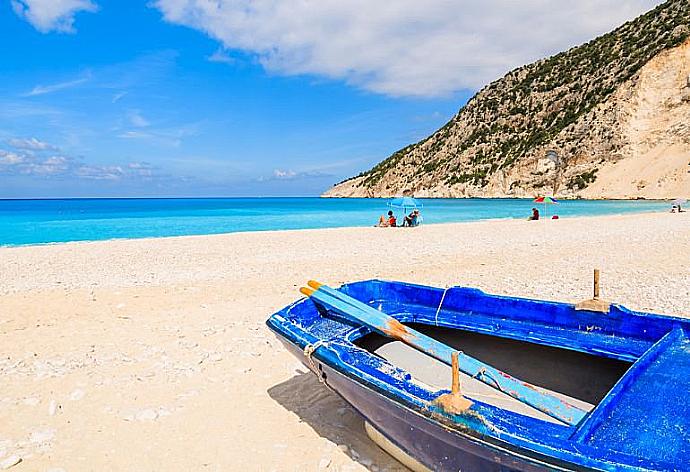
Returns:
(482, 220)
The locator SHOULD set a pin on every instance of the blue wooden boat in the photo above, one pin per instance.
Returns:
(544, 386)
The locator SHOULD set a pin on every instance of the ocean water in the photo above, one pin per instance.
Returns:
(50, 221)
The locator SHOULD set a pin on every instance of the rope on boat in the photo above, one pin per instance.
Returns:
(438, 310)
(482, 373)
(309, 350)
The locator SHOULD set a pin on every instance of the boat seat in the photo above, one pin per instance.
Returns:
(647, 414)
(628, 349)
(437, 374)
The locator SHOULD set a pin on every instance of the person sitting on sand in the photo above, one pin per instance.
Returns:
(412, 219)
(392, 222)
(535, 215)
(673, 209)
(387, 222)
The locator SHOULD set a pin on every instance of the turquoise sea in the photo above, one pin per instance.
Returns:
(49, 221)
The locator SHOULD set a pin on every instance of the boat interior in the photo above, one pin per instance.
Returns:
(579, 378)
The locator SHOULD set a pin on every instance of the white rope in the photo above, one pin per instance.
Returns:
(309, 350)
(439, 305)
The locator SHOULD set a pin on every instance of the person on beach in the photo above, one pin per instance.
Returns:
(535, 215)
(390, 222)
(412, 219)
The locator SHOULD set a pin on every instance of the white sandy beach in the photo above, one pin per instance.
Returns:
(152, 355)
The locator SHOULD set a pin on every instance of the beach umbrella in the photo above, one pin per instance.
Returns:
(405, 203)
(546, 201)
(679, 201)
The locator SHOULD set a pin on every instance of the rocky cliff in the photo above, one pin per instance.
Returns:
(607, 119)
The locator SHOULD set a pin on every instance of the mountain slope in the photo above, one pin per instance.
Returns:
(607, 119)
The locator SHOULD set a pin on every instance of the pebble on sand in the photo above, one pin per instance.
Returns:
(215, 357)
(147, 415)
(53, 407)
(10, 462)
(42, 436)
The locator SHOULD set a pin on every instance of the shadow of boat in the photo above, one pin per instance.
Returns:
(333, 419)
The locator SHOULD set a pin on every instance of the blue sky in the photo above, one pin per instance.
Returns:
(227, 98)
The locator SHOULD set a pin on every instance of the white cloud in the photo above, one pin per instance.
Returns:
(52, 165)
(289, 174)
(118, 96)
(10, 158)
(45, 89)
(137, 120)
(222, 56)
(161, 136)
(100, 172)
(141, 169)
(134, 135)
(59, 166)
(404, 47)
(52, 15)
(31, 144)
(284, 174)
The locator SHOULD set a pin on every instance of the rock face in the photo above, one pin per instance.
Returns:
(607, 119)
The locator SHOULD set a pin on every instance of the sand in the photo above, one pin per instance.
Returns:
(152, 354)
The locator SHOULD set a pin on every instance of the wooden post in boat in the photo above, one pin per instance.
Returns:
(454, 402)
(455, 386)
(595, 304)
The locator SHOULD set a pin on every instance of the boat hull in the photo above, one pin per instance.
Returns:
(423, 439)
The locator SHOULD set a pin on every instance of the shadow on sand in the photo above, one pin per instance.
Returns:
(332, 418)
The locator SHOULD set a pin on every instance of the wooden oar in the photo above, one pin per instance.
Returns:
(389, 326)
